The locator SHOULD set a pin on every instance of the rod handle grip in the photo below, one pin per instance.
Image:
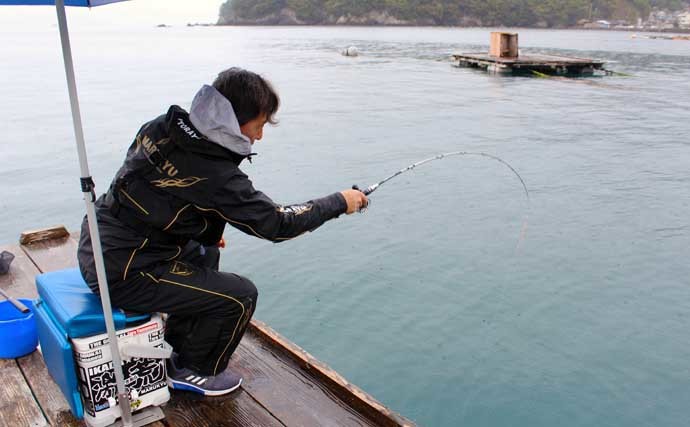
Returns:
(366, 192)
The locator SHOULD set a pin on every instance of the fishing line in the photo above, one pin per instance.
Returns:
(370, 189)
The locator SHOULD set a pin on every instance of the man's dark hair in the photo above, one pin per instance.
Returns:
(249, 94)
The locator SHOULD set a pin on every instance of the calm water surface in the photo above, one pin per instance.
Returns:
(424, 301)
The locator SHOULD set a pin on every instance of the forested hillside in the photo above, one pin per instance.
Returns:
(541, 13)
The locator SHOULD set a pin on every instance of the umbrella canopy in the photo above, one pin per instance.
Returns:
(87, 188)
(82, 3)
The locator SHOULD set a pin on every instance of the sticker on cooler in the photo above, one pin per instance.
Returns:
(145, 378)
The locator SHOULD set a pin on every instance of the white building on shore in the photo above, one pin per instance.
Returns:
(684, 20)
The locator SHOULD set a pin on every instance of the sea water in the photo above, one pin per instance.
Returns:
(430, 300)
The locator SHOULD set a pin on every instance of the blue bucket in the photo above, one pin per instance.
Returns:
(18, 335)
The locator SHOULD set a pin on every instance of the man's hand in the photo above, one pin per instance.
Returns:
(355, 199)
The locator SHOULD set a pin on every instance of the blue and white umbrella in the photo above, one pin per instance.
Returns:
(87, 186)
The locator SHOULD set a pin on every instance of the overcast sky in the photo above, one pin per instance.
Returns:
(134, 12)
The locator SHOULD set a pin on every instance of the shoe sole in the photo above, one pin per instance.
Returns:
(178, 385)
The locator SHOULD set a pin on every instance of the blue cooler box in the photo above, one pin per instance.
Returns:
(67, 310)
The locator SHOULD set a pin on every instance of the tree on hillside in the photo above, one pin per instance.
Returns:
(551, 13)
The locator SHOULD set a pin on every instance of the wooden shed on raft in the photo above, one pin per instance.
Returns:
(504, 57)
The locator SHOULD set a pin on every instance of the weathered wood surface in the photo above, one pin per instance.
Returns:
(533, 59)
(46, 392)
(503, 45)
(19, 282)
(288, 392)
(349, 393)
(17, 405)
(53, 254)
(56, 232)
(238, 409)
(282, 384)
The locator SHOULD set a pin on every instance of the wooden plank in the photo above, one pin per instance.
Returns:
(22, 282)
(54, 254)
(17, 405)
(349, 393)
(49, 396)
(503, 45)
(19, 282)
(528, 60)
(32, 236)
(237, 409)
(290, 393)
(53, 404)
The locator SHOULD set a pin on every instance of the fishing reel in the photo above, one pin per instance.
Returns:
(367, 191)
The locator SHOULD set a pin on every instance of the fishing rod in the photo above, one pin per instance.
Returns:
(370, 189)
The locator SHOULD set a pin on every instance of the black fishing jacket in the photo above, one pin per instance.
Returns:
(177, 185)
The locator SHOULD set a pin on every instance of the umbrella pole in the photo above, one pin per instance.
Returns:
(87, 188)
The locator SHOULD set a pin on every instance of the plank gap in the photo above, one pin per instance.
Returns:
(258, 402)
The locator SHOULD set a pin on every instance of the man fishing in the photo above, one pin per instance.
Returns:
(164, 214)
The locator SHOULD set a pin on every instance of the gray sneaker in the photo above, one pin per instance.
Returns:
(209, 385)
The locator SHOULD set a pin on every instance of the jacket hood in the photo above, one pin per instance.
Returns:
(212, 114)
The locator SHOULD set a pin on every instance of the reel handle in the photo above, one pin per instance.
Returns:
(366, 192)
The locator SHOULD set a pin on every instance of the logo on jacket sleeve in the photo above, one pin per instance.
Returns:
(295, 209)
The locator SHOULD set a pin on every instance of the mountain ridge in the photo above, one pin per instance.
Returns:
(524, 13)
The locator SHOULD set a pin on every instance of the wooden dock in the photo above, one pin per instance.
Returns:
(530, 64)
(283, 385)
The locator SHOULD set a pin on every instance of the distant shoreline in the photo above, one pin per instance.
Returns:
(638, 30)
(630, 30)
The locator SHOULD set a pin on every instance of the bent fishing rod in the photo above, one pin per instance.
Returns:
(370, 189)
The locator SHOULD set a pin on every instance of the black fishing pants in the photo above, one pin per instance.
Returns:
(208, 310)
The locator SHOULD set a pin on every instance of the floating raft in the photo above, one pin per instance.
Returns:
(282, 385)
(530, 64)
